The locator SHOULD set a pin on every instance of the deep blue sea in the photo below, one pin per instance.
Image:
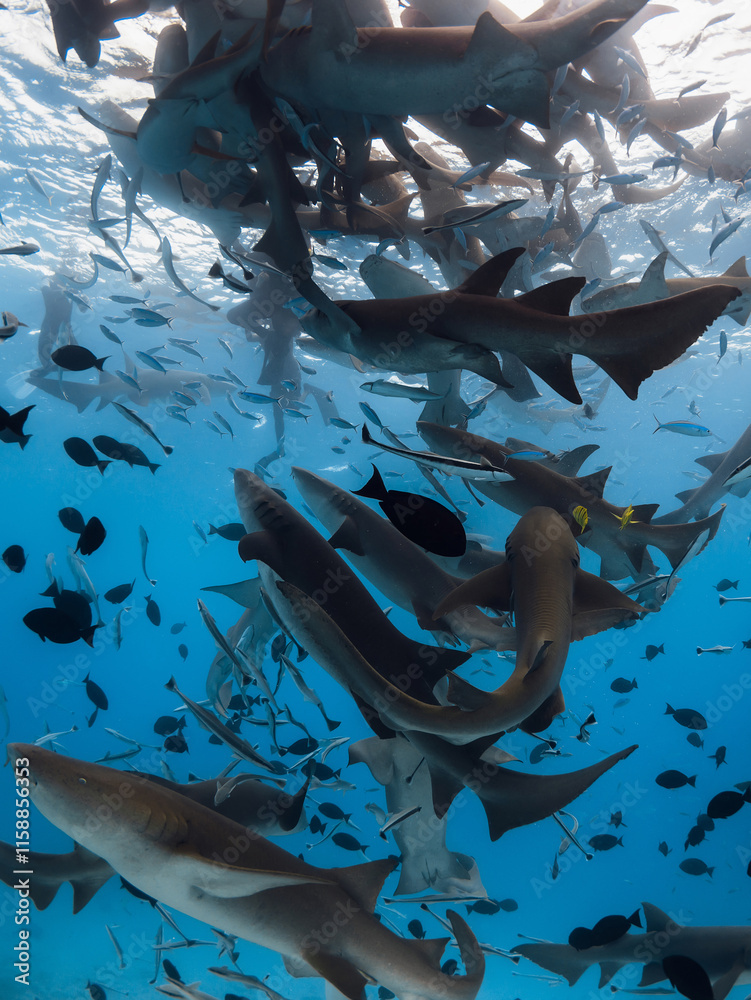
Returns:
(43, 683)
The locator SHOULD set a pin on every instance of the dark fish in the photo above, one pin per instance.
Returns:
(718, 756)
(152, 610)
(303, 746)
(449, 967)
(727, 804)
(91, 537)
(92, 718)
(118, 594)
(121, 451)
(705, 821)
(726, 585)
(76, 359)
(687, 717)
(278, 646)
(138, 893)
(604, 842)
(316, 769)
(383, 993)
(612, 928)
(695, 740)
(695, 836)
(165, 725)
(332, 811)
(71, 518)
(580, 938)
(183, 651)
(83, 454)
(622, 686)
(416, 929)
(232, 532)
(675, 779)
(96, 992)
(425, 522)
(616, 819)
(688, 977)
(95, 694)
(348, 842)
(651, 651)
(537, 753)
(509, 905)
(176, 743)
(75, 605)
(663, 848)
(177, 629)
(14, 558)
(316, 826)
(694, 866)
(12, 426)
(171, 970)
(55, 625)
(488, 907)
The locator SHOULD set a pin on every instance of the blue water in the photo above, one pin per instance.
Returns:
(43, 683)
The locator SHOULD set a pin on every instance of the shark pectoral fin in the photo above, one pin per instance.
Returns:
(540, 655)
(652, 973)
(594, 596)
(554, 370)
(246, 593)
(347, 536)
(542, 717)
(465, 695)
(607, 971)
(554, 297)
(490, 589)
(256, 545)
(740, 489)
(561, 959)
(339, 972)
(445, 789)
(711, 462)
(530, 99)
(722, 986)
(655, 919)
(231, 881)
(595, 482)
(364, 882)
(592, 622)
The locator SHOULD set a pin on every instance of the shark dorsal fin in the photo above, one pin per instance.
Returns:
(570, 462)
(656, 919)
(644, 512)
(736, 270)
(489, 277)
(430, 950)
(595, 482)
(554, 370)
(555, 297)
(653, 283)
(332, 28)
(491, 36)
(364, 882)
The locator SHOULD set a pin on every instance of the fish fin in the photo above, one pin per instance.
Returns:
(594, 596)
(364, 882)
(652, 973)
(274, 10)
(736, 270)
(465, 695)
(256, 545)
(722, 986)
(246, 593)
(378, 755)
(99, 872)
(489, 277)
(685, 495)
(678, 538)
(607, 971)
(540, 655)
(225, 881)
(543, 715)
(555, 297)
(375, 488)
(711, 462)
(491, 36)
(561, 959)
(652, 282)
(655, 918)
(740, 489)
(554, 370)
(290, 817)
(491, 588)
(347, 536)
(333, 28)
(595, 482)
(445, 789)
(644, 512)
(570, 462)
(430, 950)
(338, 971)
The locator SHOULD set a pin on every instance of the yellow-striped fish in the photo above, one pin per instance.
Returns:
(581, 516)
(627, 517)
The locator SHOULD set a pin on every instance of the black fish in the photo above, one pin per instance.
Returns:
(71, 518)
(278, 646)
(91, 537)
(167, 724)
(176, 743)
(449, 967)
(423, 521)
(95, 694)
(83, 454)
(695, 740)
(705, 821)
(55, 625)
(183, 651)
(580, 938)
(651, 651)
(14, 558)
(718, 756)
(232, 532)
(604, 842)
(688, 977)
(177, 629)
(152, 610)
(92, 718)
(121, 451)
(488, 907)
(348, 842)
(675, 779)
(96, 992)
(616, 819)
(726, 585)
(663, 848)
(695, 836)
(171, 970)
(416, 929)
(138, 893)
(622, 686)
(75, 606)
(509, 905)
(613, 927)
(687, 717)
(332, 811)
(695, 866)
(12, 426)
(727, 804)
(302, 746)
(118, 594)
(316, 826)
(74, 358)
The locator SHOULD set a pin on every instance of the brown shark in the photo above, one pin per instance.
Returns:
(207, 866)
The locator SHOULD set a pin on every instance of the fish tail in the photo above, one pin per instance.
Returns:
(102, 465)
(375, 488)
(167, 449)
(153, 467)
(99, 362)
(692, 781)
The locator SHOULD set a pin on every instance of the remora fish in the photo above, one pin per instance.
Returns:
(482, 470)
(175, 864)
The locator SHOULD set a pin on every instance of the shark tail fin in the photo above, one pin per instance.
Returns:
(561, 959)
(678, 538)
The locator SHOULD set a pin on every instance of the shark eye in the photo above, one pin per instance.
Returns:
(82, 781)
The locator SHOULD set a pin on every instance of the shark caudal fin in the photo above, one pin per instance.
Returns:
(674, 540)
(85, 871)
(634, 342)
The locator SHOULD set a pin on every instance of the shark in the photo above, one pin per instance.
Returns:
(622, 549)
(206, 866)
(654, 285)
(400, 570)
(697, 503)
(464, 326)
(723, 952)
(278, 534)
